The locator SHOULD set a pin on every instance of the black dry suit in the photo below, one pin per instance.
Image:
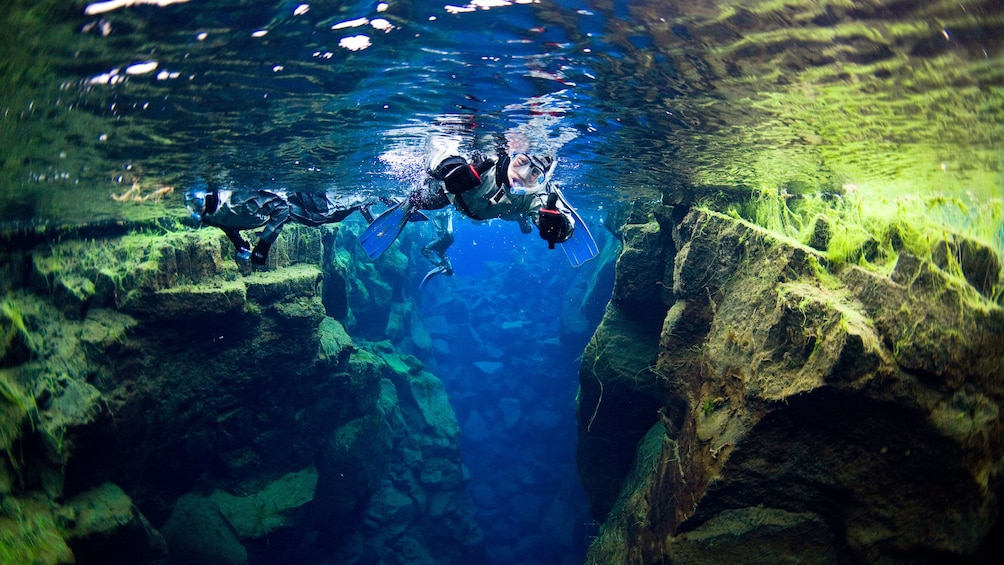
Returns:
(484, 193)
(236, 210)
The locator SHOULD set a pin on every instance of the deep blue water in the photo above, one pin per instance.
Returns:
(508, 350)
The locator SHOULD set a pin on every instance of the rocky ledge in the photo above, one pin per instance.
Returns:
(745, 401)
(158, 404)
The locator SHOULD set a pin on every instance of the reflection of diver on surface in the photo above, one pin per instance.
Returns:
(236, 210)
(435, 252)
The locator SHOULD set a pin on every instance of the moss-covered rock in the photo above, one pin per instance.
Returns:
(353, 462)
(198, 533)
(30, 532)
(102, 524)
(807, 409)
(185, 374)
(336, 344)
(278, 504)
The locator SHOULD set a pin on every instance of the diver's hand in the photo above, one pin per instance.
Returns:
(242, 255)
(554, 226)
(459, 175)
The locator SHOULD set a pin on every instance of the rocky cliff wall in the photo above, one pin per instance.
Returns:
(786, 409)
(161, 405)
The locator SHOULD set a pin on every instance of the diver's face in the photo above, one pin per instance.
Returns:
(195, 201)
(524, 173)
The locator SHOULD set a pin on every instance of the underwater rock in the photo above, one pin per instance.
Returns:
(771, 535)
(430, 397)
(355, 459)
(475, 428)
(187, 301)
(417, 508)
(104, 330)
(275, 506)
(420, 336)
(198, 534)
(283, 284)
(390, 511)
(821, 233)
(437, 325)
(16, 340)
(70, 404)
(336, 345)
(844, 415)
(72, 295)
(184, 374)
(510, 409)
(441, 347)
(488, 367)
(641, 270)
(102, 525)
(30, 532)
(335, 289)
(613, 414)
(978, 263)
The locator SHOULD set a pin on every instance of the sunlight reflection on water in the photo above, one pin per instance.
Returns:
(638, 99)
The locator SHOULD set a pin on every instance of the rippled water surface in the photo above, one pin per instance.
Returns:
(137, 97)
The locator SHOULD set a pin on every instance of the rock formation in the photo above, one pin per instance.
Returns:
(784, 408)
(159, 405)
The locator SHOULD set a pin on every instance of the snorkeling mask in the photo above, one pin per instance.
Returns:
(195, 201)
(531, 172)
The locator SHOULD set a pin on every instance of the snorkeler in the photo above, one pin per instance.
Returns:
(435, 252)
(236, 210)
(516, 188)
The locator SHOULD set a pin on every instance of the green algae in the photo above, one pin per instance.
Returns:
(808, 97)
(872, 233)
(17, 411)
(29, 533)
(261, 512)
(12, 327)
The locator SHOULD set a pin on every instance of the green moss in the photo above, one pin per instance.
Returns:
(708, 407)
(14, 320)
(29, 533)
(872, 233)
(823, 275)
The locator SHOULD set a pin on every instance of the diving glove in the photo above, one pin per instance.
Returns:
(459, 175)
(553, 225)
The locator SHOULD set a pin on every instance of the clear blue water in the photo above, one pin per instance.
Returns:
(251, 94)
(510, 295)
(254, 94)
(261, 94)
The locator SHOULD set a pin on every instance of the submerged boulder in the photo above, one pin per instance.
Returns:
(103, 524)
(798, 410)
(198, 533)
(277, 505)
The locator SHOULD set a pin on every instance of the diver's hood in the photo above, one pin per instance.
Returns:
(195, 201)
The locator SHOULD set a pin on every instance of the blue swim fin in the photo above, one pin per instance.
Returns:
(581, 247)
(387, 226)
